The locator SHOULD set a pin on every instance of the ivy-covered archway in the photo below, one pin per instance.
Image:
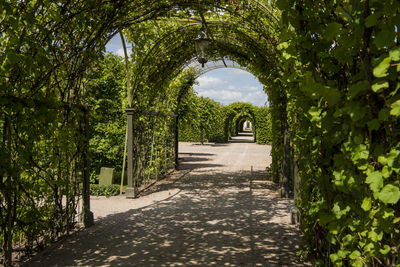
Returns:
(330, 70)
(237, 112)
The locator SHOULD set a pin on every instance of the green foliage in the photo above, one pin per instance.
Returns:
(211, 120)
(236, 113)
(104, 190)
(105, 94)
(49, 50)
(219, 123)
(263, 125)
(188, 133)
(330, 68)
(343, 112)
(204, 123)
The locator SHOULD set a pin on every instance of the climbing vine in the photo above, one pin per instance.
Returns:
(344, 121)
(330, 69)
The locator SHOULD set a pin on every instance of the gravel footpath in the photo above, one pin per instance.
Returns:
(218, 210)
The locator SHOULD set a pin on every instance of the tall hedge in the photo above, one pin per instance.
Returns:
(209, 117)
(263, 122)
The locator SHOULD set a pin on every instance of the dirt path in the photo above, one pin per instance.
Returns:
(219, 214)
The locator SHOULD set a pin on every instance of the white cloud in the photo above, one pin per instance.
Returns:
(244, 89)
(233, 88)
(257, 98)
(231, 85)
(252, 88)
(210, 82)
(120, 52)
(238, 72)
(223, 96)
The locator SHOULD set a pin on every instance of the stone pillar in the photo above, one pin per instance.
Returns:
(131, 190)
(87, 215)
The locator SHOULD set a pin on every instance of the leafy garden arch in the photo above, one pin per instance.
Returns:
(330, 71)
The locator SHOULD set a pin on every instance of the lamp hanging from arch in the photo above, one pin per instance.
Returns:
(201, 43)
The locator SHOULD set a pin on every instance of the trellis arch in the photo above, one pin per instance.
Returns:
(214, 65)
(156, 68)
(49, 49)
(238, 111)
(333, 59)
(173, 51)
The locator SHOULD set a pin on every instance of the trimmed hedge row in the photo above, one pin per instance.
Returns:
(263, 126)
(104, 190)
(227, 122)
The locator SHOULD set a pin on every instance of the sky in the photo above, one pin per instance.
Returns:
(226, 85)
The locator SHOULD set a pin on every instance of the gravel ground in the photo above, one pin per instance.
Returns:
(218, 210)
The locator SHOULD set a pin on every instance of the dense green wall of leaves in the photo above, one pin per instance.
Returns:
(344, 108)
(263, 125)
(224, 121)
(209, 118)
(105, 95)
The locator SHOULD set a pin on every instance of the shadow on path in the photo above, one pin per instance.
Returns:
(218, 219)
(209, 217)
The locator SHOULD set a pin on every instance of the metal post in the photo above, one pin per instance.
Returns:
(176, 142)
(123, 162)
(87, 214)
(286, 166)
(130, 190)
(295, 214)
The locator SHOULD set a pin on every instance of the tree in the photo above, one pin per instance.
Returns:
(105, 94)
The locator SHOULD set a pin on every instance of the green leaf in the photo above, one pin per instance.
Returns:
(392, 159)
(379, 86)
(384, 114)
(283, 45)
(375, 181)
(355, 255)
(366, 205)
(357, 112)
(283, 4)
(348, 239)
(358, 139)
(332, 30)
(356, 89)
(385, 250)
(360, 152)
(375, 236)
(395, 53)
(381, 70)
(374, 125)
(340, 212)
(371, 20)
(358, 263)
(325, 218)
(332, 95)
(334, 258)
(390, 194)
(395, 108)
(315, 113)
(384, 38)
(386, 172)
(343, 253)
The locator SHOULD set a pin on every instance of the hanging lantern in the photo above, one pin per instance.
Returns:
(201, 43)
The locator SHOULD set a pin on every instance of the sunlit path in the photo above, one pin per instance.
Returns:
(221, 213)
